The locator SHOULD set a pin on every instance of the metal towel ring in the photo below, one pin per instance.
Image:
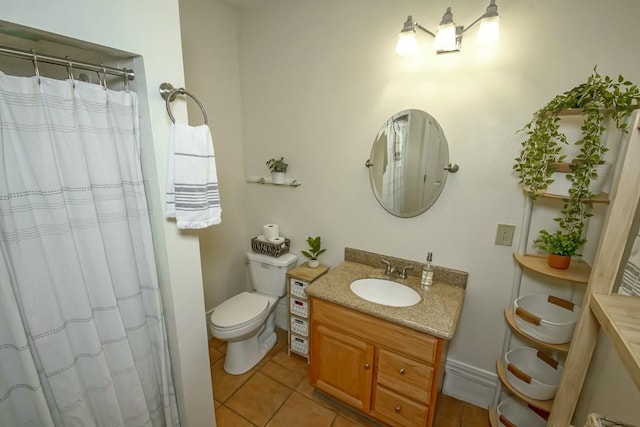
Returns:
(168, 93)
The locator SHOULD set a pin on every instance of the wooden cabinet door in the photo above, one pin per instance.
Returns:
(342, 366)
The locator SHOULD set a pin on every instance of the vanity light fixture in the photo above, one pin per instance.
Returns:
(448, 36)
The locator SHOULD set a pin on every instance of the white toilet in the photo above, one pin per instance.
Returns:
(247, 320)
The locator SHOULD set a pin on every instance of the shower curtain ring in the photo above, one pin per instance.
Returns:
(104, 77)
(35, 64)
(69, 67)
(126, 78)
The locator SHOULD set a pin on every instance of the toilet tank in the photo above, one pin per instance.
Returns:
(268, 275)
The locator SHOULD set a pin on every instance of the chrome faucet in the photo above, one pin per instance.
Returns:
(401, 273)
(389, 270)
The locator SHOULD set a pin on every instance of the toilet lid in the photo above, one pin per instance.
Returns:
(239, 310)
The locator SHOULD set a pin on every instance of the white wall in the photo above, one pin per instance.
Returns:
(150, 29)
(317, 80)
(211, 56)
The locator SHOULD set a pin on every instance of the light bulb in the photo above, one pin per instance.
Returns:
(489, 32)
(407, 44)
(445, 38)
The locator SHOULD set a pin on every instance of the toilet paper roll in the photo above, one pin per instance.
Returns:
(270, 231)
(277, 240)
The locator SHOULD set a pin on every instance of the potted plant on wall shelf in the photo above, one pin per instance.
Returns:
(315, 250)
(560, 247)
(600, 100)
(278, 169)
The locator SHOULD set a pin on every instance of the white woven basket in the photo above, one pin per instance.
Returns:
(513, 413)
(545, 317)
(561, 185)
(533, 373)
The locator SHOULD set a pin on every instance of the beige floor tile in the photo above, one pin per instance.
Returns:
(342, 421)
(258, 399)
(449, 408)
(293, 362)
(214, 355)
(216, 343)
(281, 374)
(225, 417)
(216, 404)
(306, 389)
(224, 384)
(474, 416)
(300, 410)
(447, 422)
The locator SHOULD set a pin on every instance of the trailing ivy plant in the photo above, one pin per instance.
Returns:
(599, 100)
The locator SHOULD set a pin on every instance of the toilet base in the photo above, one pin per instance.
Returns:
(244, 355)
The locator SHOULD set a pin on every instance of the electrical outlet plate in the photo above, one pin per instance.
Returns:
(504, 234)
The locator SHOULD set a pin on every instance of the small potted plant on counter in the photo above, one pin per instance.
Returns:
(278, 169)
(560, 246)
(315, 250)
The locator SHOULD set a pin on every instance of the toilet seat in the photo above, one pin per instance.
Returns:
(239, 310)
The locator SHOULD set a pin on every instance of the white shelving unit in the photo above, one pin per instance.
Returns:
(299, 326)
(578, 275)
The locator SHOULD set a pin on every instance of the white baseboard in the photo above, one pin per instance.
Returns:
(469, 383)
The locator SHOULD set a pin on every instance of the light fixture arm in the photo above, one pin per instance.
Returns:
(424, 29)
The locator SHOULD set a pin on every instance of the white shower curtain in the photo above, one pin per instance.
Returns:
(82, 334)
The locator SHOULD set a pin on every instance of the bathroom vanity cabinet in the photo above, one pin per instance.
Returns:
(387, 371)
(297, 281)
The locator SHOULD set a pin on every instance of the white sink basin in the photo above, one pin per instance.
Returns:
(385, 292)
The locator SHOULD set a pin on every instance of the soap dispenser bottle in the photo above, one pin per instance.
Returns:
(427, 272)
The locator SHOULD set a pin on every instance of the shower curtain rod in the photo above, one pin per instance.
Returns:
(49, 59)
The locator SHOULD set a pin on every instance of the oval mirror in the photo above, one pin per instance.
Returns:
(408, 163)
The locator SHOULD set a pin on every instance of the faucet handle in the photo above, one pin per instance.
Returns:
(403, 275)
(387, 270)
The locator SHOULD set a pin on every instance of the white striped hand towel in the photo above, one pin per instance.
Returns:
(192, 184)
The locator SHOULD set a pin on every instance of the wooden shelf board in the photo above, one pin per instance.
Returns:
(493, 417)
(545, 405)
(578, 272)
(599, 198)
(511, 320)
(619, 316)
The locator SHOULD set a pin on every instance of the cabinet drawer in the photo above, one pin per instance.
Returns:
(297, 288)
(386, 334)
(398, 410)
(408, 377)
(299, 307)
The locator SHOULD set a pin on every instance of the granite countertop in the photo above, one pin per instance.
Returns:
(436, 314)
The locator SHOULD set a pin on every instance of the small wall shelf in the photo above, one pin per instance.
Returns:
(264, 180)
(578, 271)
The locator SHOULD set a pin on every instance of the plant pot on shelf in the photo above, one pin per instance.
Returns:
(313, 263)
(278, 177)
(561, 262)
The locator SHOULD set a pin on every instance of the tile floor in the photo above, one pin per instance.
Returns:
(277, 393)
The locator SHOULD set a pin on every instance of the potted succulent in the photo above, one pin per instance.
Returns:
(278, 169)
(560, 247)
(599, 100)
(315, 250)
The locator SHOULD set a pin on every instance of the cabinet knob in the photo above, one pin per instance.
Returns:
(367, 366)
(401, 371)
(398, 409)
